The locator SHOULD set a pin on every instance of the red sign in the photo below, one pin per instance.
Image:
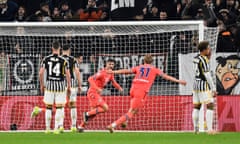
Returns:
(228, 113)
(163, 113)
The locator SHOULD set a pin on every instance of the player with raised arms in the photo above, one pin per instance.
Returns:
(145, 75)
(97, 83)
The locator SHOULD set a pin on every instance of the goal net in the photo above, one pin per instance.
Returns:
(169, 105)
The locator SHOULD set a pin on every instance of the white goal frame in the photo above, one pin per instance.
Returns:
(114, 23)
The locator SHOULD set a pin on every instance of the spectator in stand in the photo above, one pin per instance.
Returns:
(45, 11)
(231, 5)
(163, 15)
(209, 15)
(56, 14)
(65, 11)
(227, 17)
(225, 38)
(103, 3)
(169, 5)
(91, 13)
(200, 14)
(31, 6)
(8, 10)
(151, 13)
(189, 9)
(21, 14)
(74, 4)
(43, 14)
(105, 15)
(179, 7)
(197, 10)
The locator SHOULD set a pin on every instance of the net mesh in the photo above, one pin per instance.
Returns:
(169, 106)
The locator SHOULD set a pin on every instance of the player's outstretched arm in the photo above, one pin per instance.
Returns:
(173, 79)
(117, 86)
(120, 71)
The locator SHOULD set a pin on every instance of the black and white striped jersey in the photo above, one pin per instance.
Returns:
(72, 65)
(55, 67)
(201, 66)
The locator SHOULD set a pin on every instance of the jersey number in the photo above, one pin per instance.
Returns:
(54, 68)
(144, 72)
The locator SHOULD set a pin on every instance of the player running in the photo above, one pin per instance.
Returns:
(144, 77)
(97, 83)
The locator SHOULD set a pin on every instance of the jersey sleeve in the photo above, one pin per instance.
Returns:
(75, 64)
(158, 71)
(66, 64)
(112, 77)
(134, 69)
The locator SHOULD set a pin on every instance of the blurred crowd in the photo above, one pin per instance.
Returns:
(223, 14)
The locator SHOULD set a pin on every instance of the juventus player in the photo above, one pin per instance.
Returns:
(57, 70)
(203, 87)
(75, 83)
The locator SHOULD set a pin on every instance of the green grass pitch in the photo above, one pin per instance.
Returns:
(118, 138)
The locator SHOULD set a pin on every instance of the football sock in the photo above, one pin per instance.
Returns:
(58, 117)
(195, 117)
(209, 119)
(123, 119)
(62, 117)
(48, 117)
(74, 116)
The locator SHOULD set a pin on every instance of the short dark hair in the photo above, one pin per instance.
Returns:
(66, 47)
(56, 45)
(111, 60)
(203, 45)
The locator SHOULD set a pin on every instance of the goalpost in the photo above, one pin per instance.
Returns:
(169, 106)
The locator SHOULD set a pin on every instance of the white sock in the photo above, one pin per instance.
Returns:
(114, 125)
(61, 122)
(209, 119)
(58, 116)
(195, 117)
(74, 116)
(201, 118)
(48, 118)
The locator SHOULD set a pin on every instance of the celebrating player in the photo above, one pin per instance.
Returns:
(203, 87)
(144, 77)
(54, 89)
(97, 83)
(75, 84)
